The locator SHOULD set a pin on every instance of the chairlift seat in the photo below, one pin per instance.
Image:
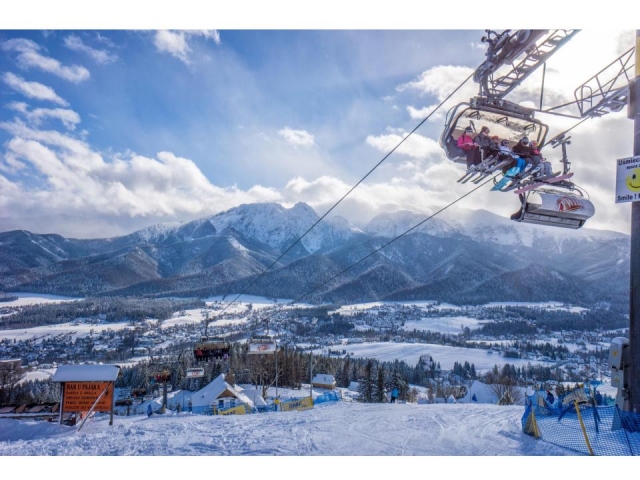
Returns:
(555, 208)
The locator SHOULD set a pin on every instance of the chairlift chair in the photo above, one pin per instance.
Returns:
(194, 372)
(555, 208)
(211, 348)
(262, 345)
(505, 119)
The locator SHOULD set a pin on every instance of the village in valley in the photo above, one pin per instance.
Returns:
(458, 350)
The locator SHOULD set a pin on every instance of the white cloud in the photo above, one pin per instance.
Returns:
(297, 137)
(167, 187)
(29, 57)
(421, 113)
(175, 42)
(68, 117)
(416, 146)
(32, 89)
(103, 57)
(440, 82)
(80, 181)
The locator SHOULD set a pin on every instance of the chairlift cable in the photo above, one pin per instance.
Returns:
(346, 194)
(388, 243)
(397, 237)
(565, 132)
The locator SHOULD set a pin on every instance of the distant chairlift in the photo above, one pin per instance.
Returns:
(209, 348)
(195, 372)
(262, 345)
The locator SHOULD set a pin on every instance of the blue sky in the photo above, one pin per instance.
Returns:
(103, 131)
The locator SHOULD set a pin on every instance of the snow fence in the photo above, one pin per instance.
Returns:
(578, 422)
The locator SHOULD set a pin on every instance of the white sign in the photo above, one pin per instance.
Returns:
(628, 180)
(124, 393)
(257, 347)
(195, 372)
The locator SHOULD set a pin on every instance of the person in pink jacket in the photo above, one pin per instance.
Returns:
(465, 142)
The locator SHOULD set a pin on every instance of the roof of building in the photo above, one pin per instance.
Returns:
(210, 393)
(323, 378)
(86, 373)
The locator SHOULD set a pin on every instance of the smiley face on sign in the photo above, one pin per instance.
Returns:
(633, 180)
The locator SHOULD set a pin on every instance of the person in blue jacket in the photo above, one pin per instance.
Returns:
(394, 394)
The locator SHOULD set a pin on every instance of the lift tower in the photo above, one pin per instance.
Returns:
(634, 313)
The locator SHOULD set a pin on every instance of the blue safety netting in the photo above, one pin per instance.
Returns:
(327, 397)
(584, 422)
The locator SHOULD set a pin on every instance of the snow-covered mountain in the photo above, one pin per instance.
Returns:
(485, 226)
(443, 259)
(393, 224)
(280, 227)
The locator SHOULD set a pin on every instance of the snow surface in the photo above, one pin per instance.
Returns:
(332, 428)
(35, 298)
(453, 325)
(75, 329)
(365, 440)
(445, 355)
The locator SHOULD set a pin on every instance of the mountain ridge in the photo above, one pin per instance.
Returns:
(446, 258)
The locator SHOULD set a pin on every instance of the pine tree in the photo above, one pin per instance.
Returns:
(366, 386)
(380, 390)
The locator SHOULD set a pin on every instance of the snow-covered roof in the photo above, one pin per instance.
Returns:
(255, 395)
(86, 373)
(323, 378)
(210, 393)
(482, 391)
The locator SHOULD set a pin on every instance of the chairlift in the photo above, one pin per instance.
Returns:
(555, 208)
(505, 119)
(160, 376)
(547, 198)
(194, 372)
(211, 348)
(262, 345)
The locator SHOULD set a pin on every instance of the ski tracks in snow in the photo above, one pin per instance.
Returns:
(335, 429)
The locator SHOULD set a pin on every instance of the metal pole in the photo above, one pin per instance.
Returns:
(276, 369)
(544, 74)
(634, 312)
(311, 376)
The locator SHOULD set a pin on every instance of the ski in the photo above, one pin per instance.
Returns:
(490, 170)
(540, 182)
(520, 177)
(468, 174)
(516, 179)
(476, 169)
(511, 173)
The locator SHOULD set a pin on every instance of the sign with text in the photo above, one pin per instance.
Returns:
(628, 179)
(303, 404)
(241, 410)
(262, 347)
(194, 373)
(80, 396)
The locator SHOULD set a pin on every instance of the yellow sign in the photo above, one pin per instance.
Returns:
(80, 396)
(303, 404)
(241, 410)
(628, 180)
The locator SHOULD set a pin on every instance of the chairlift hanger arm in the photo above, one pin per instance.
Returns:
(608, 90)
(529, 48)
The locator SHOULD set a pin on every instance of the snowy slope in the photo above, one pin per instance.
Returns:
(332, 428)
